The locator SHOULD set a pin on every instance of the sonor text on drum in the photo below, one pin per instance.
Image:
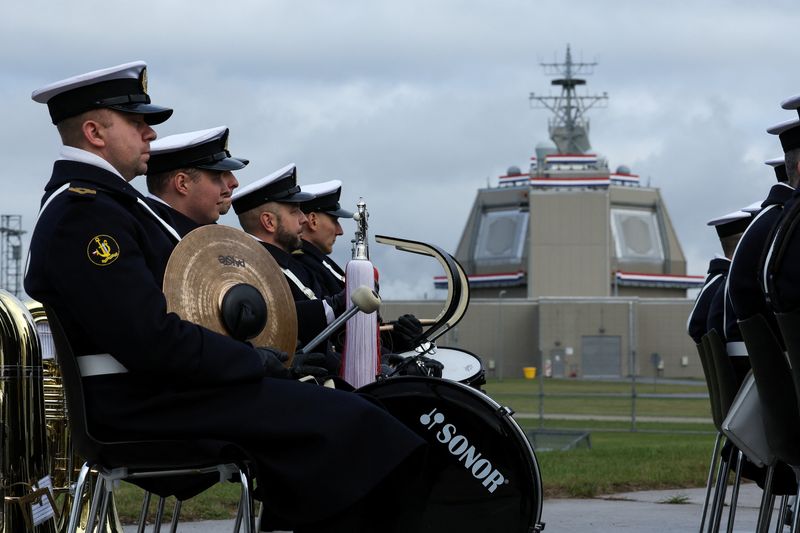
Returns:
(459, 446)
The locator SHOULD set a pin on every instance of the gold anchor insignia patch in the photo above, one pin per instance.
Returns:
(102, 250)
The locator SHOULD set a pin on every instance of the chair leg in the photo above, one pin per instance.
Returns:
(176, 513)
(77, 498)
(719, 494)
(796, 512)
(782, 513)
(159, 515)
(767, 502)
(247, 502)
(99, 487)
(260, 516)
(735, 494)
(237, 524)
(710, 482)
(143, 512)
(107, 495)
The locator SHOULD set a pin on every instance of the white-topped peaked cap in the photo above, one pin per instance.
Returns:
(280, 186)
(755, 207)
(731, 223)
(793, 102)
(778, 164)
(788, 132)
(326, 199)
(206, 149)
(122, 88)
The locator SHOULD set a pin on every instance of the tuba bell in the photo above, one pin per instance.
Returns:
(24, 458)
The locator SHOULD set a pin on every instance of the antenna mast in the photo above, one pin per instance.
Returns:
(569, 129)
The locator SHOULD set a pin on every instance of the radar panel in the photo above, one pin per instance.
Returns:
(501, 237)
(636, 236)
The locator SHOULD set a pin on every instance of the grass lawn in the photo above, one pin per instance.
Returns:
(656, 456)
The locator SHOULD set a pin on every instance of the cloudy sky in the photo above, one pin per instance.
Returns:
(415, 104)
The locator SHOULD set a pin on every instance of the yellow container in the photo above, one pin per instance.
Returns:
(529, 371)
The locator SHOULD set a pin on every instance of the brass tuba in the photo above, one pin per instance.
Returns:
(23, 442)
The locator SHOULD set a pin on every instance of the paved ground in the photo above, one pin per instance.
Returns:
(642, 512)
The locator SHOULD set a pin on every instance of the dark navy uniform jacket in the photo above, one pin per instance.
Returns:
(327, 273)
(311, 319)
(780, 273)
(173, 217)
(98, 259)
(745, 289)
(722, 318)
(698, 318)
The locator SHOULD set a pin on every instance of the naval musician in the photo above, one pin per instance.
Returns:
(190, 177)
(97, 260)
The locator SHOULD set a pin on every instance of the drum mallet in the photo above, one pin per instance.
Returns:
(364, 299)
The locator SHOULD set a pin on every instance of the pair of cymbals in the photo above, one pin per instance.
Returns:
(223, 279)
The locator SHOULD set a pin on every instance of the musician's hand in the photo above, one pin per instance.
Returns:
(338, 302)
(273, 361)
(407, 329)
(309, 364)
(430, 367)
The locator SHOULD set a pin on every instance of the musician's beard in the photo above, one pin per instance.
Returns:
(287, 240)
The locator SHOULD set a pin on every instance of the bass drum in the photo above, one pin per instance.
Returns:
(459, 365)
(483, 471)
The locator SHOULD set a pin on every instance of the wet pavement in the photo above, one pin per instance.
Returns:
(659, 511)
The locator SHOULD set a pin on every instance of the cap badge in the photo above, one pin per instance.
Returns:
(143, 79)
(102, 250)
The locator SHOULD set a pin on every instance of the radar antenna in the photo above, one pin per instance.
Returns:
(569, 128)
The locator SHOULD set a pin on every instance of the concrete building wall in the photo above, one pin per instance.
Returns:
(509, 334)
(662, 330)
(502, 333)
(569, 244)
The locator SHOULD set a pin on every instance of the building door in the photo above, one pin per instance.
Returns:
(557, 360)
(601, 356)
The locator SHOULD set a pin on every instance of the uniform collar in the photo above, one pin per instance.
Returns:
(310, 249)
(719, 264)
(70, 153)
(281, 257)
(68, 171)
(778, 195)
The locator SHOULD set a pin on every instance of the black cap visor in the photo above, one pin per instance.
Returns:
(291, 197)
(229, 163)
(153, 114)
(339, 213)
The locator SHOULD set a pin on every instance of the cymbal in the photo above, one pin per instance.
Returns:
(214, 260)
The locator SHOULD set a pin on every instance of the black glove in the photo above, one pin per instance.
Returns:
(414, 366)
(406, 330)
(338, 302)
(309, 364)
(273, 361)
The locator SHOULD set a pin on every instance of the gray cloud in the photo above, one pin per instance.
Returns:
(416, 104)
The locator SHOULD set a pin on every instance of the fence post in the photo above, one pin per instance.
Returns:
(632, 349)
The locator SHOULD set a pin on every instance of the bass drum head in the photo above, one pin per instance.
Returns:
(483, 472)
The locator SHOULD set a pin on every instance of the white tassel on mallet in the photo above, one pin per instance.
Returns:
(360, 362)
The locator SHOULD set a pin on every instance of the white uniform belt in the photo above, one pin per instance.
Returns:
(99, 365)
(736, 349)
